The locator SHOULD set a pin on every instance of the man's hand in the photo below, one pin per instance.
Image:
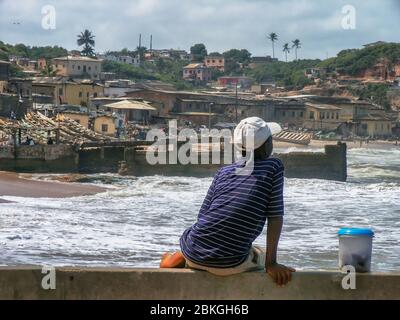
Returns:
(280, 273)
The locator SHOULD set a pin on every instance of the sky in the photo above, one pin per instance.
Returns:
(219, 24)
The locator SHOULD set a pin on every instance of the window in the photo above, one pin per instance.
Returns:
(220, 61)
(283, 113)
(312, 115)
(95, 95)
(90, 68)
(198, 71)
(208, 61)
(322, 115)
(79, 67)
(60, 91)
(80, 94)
(213, 61)
(301, 114)
(337, 115)
(293, 114)
(327, 115)
(87, 95)
(104, 128)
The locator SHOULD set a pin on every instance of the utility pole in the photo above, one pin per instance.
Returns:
(140, 40)
(236, 107)
(151, 43)
(209, 115)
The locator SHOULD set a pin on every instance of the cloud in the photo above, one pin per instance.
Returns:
(220, 24)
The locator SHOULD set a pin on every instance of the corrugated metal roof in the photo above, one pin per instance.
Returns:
(130, 105)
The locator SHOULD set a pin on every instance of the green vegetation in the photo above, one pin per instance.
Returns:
(290, 74)
(355, 61)
(34, 53)
(376, 93)
(199, 52)
(86, 39)
(163, 70)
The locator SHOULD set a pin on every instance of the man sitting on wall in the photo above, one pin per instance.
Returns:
(235, 210)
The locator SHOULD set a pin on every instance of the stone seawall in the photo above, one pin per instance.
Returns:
(154, 284)
(331, 164)
(40, 158)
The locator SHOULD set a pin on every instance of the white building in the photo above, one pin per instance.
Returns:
(134, 61)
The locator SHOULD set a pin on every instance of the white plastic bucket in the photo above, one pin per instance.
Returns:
(355, 248)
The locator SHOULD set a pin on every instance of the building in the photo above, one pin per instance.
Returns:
(117, 88)
(79, 67)
(105, 124)
(323, 117)
(80, 117)
(374, 125)
(197, 72)
(4, 70)
(133, 61)
(215, 62)
(41, 63)
(315, 73)
(242, 82)
(131, 110)
(65, 91)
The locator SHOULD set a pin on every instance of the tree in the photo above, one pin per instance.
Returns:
(296, 45)
(273, 37)
(199, 52)
(88, 51)
(48, 70)
(238, 56)
(286, 49)
(215, 54)
(140, 51)
(86, 39)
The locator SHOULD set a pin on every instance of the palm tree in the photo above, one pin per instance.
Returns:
(286, 49)
(296, 45)
(86, 38)
(88, 51)
(273, 37)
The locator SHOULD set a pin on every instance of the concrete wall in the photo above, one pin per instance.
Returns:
(153, 284)
(39, 158)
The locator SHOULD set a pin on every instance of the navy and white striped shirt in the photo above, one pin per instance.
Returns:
(234, 213)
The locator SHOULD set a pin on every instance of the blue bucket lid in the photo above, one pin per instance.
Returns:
(355, 232)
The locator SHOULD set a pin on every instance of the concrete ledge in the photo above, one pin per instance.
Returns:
(153, 284)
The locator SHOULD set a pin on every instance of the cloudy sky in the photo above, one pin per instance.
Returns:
(220, 24)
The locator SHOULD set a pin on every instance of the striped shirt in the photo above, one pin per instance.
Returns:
(234, 213)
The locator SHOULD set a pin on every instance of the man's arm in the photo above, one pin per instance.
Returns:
(279, 273)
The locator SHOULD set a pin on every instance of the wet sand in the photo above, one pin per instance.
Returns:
(11, 184)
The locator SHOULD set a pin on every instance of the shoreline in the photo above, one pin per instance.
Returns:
(12, 184)
(320, 144)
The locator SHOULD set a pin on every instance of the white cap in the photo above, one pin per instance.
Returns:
(256, 127)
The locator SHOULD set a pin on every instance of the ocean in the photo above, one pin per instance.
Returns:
(138, 219)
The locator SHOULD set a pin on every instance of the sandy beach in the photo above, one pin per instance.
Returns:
(11, 184)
